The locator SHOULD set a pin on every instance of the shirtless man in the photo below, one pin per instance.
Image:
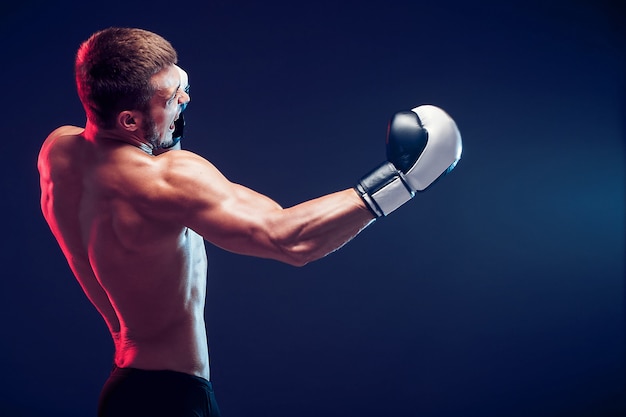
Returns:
(131, 211)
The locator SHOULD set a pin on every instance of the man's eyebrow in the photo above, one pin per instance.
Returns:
(175, 91)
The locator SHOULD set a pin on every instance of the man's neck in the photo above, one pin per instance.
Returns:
(96, 134)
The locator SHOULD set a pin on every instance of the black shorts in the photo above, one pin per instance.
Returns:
(139, 393)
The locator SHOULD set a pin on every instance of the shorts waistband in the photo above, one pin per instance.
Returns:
(161, 373)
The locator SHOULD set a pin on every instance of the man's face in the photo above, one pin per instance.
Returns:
(165, 106)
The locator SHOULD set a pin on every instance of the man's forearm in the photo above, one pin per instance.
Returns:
(315, 228)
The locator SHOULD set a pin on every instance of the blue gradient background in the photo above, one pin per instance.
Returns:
(498, 293)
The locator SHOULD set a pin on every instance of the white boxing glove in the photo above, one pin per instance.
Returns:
(423, 145)
(179, 124)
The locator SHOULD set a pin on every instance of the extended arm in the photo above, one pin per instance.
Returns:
(422, 145)
(304, 232)
(243, 221)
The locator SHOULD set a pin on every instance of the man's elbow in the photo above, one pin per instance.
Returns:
(295, 251)
(300, 255)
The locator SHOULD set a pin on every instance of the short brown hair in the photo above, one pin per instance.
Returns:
(113, 70)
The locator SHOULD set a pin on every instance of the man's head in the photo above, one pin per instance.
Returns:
(114, 70)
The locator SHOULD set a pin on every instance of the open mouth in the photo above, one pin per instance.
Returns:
(173, 125)
(178, 126)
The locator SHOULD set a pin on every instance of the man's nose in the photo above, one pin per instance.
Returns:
(184, 98)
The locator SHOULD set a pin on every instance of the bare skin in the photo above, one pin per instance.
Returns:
(132, 226)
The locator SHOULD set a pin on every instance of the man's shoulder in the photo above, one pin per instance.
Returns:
(184, 165)
(63, 134)
(67, 130)
(63, 137)
(59, 144)
(183, 181)
(191, 173)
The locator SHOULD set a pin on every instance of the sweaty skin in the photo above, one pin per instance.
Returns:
(132, 226)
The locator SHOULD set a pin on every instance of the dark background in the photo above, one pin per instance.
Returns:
(499, 292)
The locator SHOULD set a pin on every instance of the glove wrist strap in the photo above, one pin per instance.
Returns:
(384, 189)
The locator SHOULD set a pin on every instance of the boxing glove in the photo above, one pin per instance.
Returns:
(179, 124)
(423, 145)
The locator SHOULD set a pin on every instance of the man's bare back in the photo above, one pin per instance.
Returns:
(146, 275)
(127, 219)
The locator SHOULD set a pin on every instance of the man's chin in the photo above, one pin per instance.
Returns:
(161, 142)
(167, 142)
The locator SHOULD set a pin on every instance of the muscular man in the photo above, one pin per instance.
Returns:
(131, 211)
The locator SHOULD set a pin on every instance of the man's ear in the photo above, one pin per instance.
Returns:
(129, 120)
